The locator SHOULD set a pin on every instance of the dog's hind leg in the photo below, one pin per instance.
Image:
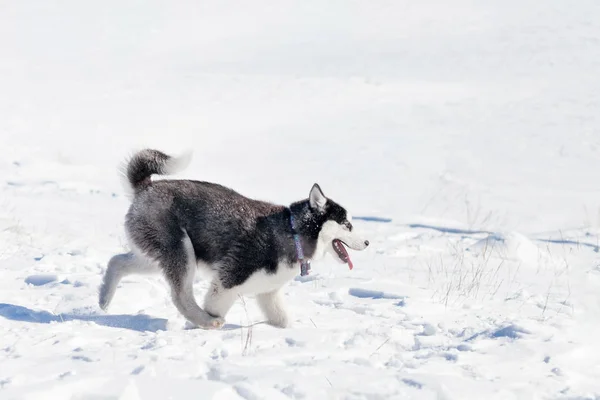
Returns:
(120, 266)
(271, 304)
(179, 267)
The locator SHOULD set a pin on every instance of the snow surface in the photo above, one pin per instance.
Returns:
(465, 137)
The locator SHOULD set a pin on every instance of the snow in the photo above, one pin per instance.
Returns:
(464, 137)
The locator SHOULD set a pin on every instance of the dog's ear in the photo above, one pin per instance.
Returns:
(316, 198)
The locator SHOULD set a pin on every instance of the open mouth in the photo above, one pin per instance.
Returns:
(340, 250)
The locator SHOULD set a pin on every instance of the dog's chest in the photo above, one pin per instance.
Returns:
(262, 281)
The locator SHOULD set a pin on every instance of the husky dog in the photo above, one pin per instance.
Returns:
(250, 246)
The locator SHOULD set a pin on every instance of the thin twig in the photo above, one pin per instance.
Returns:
(377, 349)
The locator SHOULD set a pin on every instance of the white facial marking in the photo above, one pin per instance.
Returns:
(332, 230)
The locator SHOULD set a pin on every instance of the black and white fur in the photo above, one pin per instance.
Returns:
(176, 226)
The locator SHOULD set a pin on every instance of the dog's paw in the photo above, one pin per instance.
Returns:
(103, 302)
(216, 323)
(209, 324)
(282, 321)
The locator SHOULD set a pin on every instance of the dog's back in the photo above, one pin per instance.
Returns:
(218, 220)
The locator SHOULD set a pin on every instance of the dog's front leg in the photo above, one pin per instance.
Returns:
(218, 300)
(271, 304)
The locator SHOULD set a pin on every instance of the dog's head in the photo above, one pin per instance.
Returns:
(331, 225)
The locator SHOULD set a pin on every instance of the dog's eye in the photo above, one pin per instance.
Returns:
(348, 225)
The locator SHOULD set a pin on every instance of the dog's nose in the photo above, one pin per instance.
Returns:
(366, 242)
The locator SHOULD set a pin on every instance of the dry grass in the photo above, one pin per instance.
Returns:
(246, 341)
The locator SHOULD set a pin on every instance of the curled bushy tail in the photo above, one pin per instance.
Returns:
(145, 163)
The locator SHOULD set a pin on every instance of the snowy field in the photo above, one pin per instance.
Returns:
(463, 136)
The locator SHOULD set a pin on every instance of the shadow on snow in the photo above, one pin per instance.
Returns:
(140, 322)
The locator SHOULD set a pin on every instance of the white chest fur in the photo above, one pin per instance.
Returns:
(263, 282)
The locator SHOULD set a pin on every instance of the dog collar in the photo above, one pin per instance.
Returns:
(304, 263)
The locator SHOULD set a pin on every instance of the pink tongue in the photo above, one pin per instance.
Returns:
(350, 265)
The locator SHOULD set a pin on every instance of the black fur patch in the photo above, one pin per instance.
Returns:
(233, 234)
(143, 165)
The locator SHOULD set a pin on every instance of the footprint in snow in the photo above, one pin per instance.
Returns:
(294, 343)
(412, 383)
(509, 331)
(377, 295)
(40, 280)
(373, 294)
(138, 370)
(82, 358)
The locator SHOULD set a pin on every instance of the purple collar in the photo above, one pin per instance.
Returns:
(304, 263)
